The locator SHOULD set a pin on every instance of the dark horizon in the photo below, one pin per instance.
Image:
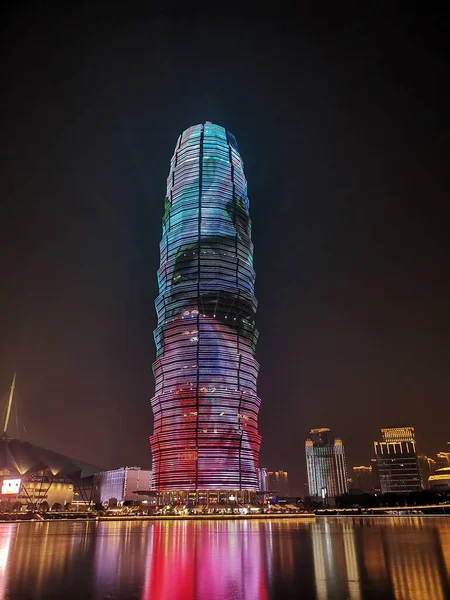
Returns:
(342, 123)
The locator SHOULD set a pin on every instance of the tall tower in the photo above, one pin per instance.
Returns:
(205, 405)
(397, 460)
(325, 464)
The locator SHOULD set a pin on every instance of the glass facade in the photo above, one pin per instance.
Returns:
(205, 405)
(325, 464)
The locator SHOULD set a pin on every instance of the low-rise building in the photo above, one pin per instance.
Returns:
(120, 485)
(443, 460)
(427, 466)
(278, 483)
(362, 479)
(440, 480)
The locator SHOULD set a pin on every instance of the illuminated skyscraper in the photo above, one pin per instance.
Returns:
(325, 463)
(262, 479)
(397, 460)
(205, 405)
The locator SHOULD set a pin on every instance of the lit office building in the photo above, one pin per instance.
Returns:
(375, 476)
(427, 466)
(440, 480)
(442, 460)
(325, 464)
(397, 461)
(120, 485)
(206, 407)
(262, 477)
(278, 483)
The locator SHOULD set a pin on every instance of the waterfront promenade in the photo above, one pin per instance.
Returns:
(89, 517)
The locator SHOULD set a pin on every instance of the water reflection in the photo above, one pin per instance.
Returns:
(120, 548)
(5, 545)
(336, 568)
(414, 559)
(398, 559)
(444, 540)
(206, 559)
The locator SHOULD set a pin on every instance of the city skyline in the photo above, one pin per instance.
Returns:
(343, 134)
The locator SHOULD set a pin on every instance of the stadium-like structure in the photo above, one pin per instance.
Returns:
(36, 477)
(30, 474)
(206, 405)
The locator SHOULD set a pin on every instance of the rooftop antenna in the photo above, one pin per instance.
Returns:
(8, 410)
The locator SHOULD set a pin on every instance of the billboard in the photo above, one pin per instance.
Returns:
(10, 487)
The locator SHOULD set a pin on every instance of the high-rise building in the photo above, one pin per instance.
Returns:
(448, 446)
(278, 483)
(262, 487)
(397, 461)
(362, 477)
(325, 464)
(205, 405)
(427, 466)
(375, 476)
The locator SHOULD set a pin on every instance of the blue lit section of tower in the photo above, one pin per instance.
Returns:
(206, 405)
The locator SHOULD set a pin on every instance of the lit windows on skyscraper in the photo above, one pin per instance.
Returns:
(325, 463)
(205, 405)
(397, 461)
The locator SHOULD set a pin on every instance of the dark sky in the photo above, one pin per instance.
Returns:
(343, 123)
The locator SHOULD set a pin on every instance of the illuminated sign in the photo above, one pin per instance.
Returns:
(10, 487)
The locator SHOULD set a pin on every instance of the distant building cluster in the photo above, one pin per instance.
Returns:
(396, 468)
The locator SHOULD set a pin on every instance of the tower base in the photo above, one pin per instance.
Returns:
(205, 498)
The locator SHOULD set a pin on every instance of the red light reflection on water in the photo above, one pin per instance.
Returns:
(205, 559)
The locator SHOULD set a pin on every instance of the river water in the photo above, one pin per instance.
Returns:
(349, 558)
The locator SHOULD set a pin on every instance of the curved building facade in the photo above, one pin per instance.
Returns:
(205, 405)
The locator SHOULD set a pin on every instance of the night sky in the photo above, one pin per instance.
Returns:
(342, 119)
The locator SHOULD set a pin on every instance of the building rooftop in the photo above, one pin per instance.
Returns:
(22, 458)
